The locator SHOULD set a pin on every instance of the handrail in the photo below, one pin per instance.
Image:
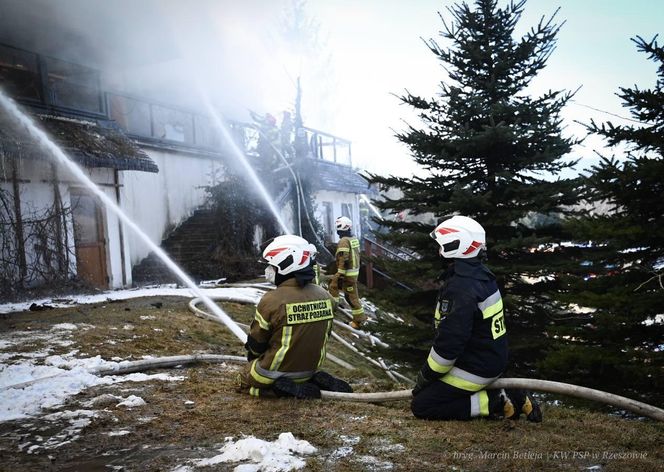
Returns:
(386, 249)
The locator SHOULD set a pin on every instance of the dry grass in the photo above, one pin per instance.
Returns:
(379, 435)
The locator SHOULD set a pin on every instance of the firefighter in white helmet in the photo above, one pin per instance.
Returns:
(287, 338)
(348, 268)
(470, 347)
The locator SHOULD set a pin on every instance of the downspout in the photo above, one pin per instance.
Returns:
(116, 184)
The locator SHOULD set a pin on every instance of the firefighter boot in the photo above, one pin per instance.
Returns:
(330, 383)
(285, 387)
(516, 402)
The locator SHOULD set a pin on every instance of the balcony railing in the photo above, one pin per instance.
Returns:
(74, 89)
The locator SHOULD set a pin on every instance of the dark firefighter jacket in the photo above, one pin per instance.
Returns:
(289, 332)
(348, 257)
(470, 347)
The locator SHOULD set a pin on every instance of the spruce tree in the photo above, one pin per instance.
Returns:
(618, 347)
(494, 153)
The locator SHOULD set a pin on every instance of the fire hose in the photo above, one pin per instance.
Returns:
(628, 404)
(537, 385)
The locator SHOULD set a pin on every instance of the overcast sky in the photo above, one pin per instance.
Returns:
(378, 52)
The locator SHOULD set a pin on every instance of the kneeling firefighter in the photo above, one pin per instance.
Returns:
(469, 351)
(287, 338)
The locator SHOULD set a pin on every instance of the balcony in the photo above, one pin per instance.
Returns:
(74, 90)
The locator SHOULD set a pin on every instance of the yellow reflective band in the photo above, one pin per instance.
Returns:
(493, 309)
(309, 312)
(254, 392)
(357, 311)
(461, 383)
(286, 336)
(323, 351)
(343, 249)
(354, 243)
(498, 325)
(484, 403)
(351, 272)
(341, 271)
(258, 377)
(261, 321)
(436, 367)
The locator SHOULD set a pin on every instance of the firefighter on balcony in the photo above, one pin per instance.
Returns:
(348, 268)
(288, 336)
(470, 346)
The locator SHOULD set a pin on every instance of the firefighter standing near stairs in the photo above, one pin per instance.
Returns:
(470, 347)
(288, 336)
(348, 268)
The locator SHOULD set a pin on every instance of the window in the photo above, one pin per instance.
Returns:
(73, 86)
(172, 125)
(347, 210)
(328, 220)
(206, 134)
(131, 114)
(19, 73)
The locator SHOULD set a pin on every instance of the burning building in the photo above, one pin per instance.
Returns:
(152, 150)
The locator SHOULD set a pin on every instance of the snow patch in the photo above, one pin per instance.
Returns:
(76, 419)
(132, 401)
(250, 295)
(64, 326)
(122, 432)
(276, 456)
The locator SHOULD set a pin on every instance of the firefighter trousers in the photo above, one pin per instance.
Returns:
(441, 401)
(349, 288)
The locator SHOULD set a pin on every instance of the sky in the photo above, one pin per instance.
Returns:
(378, 52)
(365, 53)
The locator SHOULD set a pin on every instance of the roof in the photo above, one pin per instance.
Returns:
(91, 143)
(336, 177)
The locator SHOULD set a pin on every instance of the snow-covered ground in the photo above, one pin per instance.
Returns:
(33, 381)
(250, 295)
(37, 379)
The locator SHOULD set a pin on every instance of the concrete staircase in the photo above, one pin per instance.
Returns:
(190, 245)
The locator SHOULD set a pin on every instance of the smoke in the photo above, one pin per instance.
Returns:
(164, 49)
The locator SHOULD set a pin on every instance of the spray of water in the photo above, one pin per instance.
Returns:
(220, 124)
(41, 137)
(370, 205)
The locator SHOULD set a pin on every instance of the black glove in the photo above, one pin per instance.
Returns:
(421, 383)
(254, 349)
(251, 356)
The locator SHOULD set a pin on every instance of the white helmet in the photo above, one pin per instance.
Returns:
(343, 223)
(459, 237)
(289, 253)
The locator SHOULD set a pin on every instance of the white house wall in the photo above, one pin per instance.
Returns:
(37, 195)
(159, 202)
(337, 199)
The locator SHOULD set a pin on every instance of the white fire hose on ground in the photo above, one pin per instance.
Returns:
(546, 386)
(628, 404)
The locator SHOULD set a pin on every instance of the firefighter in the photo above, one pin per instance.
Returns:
(348, 268)
(287, 338)
(470, 347)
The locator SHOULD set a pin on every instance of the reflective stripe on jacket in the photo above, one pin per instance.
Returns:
(348, 257)
(294, 323)
(470, 347)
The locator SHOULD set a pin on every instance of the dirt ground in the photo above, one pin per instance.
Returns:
(189, 419)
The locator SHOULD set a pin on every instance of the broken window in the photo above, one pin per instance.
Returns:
(131, 114)
(172, 125)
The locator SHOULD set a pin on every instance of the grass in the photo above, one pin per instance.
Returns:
(167, 432)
